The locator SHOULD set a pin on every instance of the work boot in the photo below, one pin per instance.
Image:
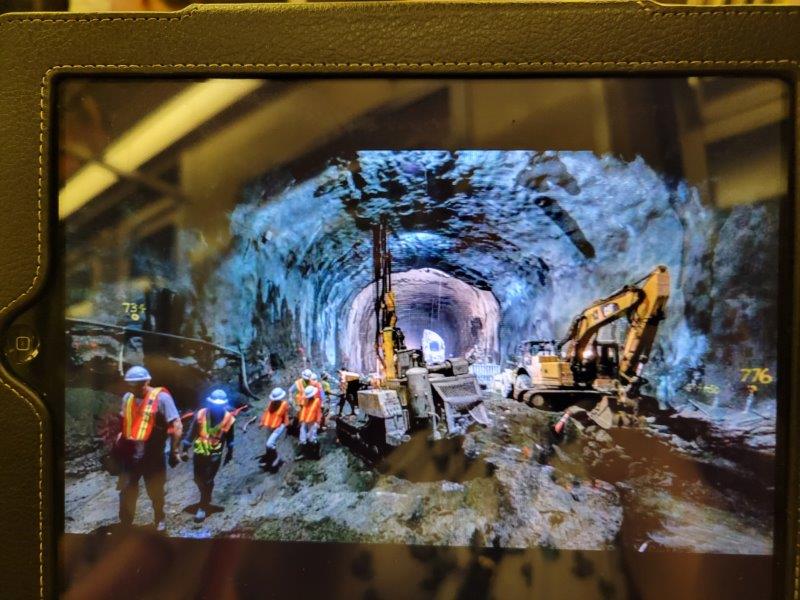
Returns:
(200, 515)
(301, 453)
(313, 451)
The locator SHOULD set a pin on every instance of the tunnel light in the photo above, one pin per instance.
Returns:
(172, 121)
(588, 354)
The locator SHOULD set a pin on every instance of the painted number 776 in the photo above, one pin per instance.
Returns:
(756, 375)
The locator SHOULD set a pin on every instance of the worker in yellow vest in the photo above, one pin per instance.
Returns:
(325, 382)
(210, 434)
(275, 420)
(149, 416)
(310, 418)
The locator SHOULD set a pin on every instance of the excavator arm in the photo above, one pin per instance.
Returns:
(642, 302)
(644, 321)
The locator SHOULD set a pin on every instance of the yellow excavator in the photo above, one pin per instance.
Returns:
(581, 367)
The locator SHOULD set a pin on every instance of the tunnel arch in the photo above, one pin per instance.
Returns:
(467, 318)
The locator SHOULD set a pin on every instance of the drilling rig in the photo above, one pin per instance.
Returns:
(407, 395)
(583, 368)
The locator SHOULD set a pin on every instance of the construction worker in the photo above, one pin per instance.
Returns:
(210, 433)
(275, 420)
(327, 398)
(149, 416)
(310, 418)
(297, 391)
(349, 384)
(325, 382)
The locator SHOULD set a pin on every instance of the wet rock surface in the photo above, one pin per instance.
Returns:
(493, 487)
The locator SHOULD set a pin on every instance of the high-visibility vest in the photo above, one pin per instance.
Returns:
(311, 412)
(276, 418)
(209, 439)
(300, 393)
(138, 421)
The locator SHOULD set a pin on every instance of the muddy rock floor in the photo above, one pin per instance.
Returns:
(647, 488)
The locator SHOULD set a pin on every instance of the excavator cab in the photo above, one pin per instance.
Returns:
(607, 361)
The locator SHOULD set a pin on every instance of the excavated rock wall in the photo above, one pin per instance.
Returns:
(544, 233)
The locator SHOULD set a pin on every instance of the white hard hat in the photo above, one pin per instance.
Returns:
(307, 374)
(311, 391)
(218, 397)
(137, 373)
(313, 377)
(277, 393)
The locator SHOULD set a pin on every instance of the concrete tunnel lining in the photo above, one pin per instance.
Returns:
(466, 317)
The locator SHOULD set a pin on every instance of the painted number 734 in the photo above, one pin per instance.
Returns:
(134, 310)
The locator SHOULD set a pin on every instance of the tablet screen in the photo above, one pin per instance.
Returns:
(524, 316)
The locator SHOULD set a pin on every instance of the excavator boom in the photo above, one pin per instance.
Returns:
(644, 319)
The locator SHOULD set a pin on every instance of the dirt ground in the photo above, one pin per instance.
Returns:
(488, 487)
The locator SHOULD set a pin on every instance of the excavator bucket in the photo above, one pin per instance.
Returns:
(601, 414)
(463, 403)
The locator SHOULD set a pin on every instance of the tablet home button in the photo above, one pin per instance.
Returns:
(21, 344)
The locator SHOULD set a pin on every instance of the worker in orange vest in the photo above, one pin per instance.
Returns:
(211, 432)
(275, 420)
(149, 416)
(310, 418)
(297, 391)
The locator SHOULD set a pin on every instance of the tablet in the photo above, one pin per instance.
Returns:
(467, 324)
(535, 249)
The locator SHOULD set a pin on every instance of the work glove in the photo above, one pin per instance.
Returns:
(174, 460)
(228, 457)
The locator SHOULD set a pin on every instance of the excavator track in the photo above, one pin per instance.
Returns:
(556, 400)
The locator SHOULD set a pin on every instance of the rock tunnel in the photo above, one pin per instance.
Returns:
(467, 318)
(491, 248)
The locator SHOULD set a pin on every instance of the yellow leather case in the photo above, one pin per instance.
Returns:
(376, 38)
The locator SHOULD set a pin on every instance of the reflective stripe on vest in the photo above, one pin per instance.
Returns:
(300, 394)
(209, 439)
(275, 418)
(138, 421)
(308, 414)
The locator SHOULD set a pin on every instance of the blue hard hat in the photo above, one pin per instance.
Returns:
(218, 396)
(137, 373)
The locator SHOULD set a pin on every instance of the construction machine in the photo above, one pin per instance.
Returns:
(407, 394)
(582, 368)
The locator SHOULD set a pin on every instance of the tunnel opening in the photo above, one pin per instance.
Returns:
(467, 318)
